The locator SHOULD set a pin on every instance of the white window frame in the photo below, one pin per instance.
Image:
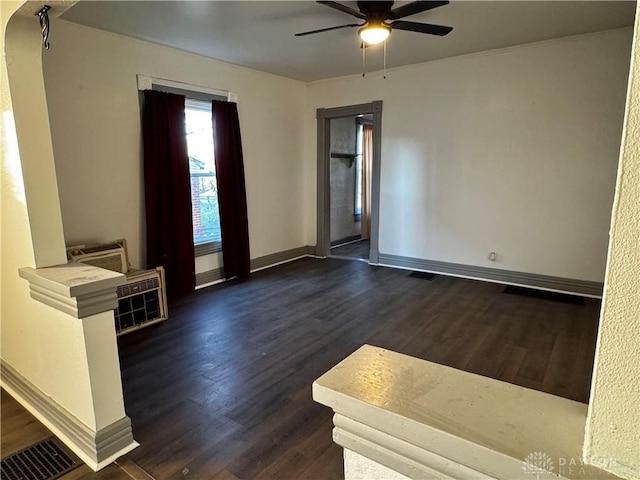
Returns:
(191, 92)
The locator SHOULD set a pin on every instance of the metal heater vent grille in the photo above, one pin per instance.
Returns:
(43, 461)
(138, 287)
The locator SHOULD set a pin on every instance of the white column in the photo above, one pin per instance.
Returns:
(59, 353)
(424, 420)
(612, 439)
(23, 52)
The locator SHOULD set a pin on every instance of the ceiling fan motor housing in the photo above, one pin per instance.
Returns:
(381, 15)
(376, 12)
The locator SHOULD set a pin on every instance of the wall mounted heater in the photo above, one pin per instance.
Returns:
(110, 256)
(142, 301)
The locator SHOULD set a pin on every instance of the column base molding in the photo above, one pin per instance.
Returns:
(96, 448)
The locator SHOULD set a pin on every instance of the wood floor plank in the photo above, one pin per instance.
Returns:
(216, 460)
(222, 390)
(21, 430)
(328, 466)
(224, 474)
(263, 342)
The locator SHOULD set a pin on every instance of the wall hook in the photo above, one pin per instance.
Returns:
(44, 24)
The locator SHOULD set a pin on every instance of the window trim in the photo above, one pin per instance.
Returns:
(207, 248)
(198, 94)
(173, 86)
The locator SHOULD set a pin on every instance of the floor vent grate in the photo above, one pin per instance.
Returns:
(423, 275)
(43, 461)
(545, 295)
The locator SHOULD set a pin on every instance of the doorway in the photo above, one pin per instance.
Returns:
(350, 163)
(349, 140)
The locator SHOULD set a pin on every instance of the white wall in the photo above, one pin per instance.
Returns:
(45, 346)
(512, 151)
(612, 439)
(90, 77)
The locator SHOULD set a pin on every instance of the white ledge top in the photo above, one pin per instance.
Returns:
(470, 419)
(73, 279)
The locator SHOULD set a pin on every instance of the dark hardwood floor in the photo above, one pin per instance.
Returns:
(21, 430)
(222, 390)
(358, 249)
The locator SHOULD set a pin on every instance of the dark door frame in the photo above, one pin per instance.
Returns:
(324, 117)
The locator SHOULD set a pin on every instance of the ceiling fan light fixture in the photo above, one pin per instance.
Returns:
(374, 34)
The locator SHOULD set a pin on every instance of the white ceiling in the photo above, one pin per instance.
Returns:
(259, 34)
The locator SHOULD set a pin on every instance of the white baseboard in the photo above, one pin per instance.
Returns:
(216, 275)
(96, 448)
(533, 280)
(281, 257)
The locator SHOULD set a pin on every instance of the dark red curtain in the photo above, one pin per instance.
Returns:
(232, 196)
(167, 188)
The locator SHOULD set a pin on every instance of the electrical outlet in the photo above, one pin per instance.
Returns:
(493, 256)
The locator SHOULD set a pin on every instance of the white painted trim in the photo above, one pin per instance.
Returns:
(109, 460)
(286, 256)
(210, 277)
(426, 420)
(397, 454)
(210, 284)
(95, 448)
(146, 83)
(215, 276)
(76, 289)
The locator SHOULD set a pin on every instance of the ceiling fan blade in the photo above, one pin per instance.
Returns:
(311, 32)
(421, 27)
(413, 8)
(344, 8)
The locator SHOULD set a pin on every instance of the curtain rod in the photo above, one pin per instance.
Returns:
(146, 83)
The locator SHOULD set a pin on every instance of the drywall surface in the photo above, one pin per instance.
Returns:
(95, 121)
(206, 263)
(359, 467)
(612, 439)
(342, 176)
(23, 53)
(512, 151)
(45, 346)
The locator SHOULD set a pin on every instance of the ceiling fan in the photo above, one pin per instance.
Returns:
(380, 18)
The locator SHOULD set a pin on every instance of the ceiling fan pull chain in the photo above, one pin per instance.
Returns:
(384, 61)
(364, 49)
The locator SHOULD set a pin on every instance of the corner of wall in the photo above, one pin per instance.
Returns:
(612, 434)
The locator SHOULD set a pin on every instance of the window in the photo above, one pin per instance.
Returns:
(204, 190)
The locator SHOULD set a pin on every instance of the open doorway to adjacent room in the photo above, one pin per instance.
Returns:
(349, 181)
(350, 165)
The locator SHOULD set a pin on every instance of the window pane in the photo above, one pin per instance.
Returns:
(204, 190)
